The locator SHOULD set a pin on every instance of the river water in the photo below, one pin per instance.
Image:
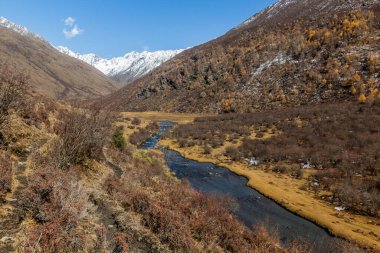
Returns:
(252, 207)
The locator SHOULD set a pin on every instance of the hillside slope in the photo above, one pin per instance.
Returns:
(52, 73)
(293, 53)
(71, 182)
(127, 68)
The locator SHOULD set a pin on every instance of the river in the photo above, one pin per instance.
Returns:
(252, 207)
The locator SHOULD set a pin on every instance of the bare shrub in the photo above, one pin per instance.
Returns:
(137, 138)
(266, 241)
(13, 87)
(57, 203)
(81, 135)
(136, 121)
(233, 153)
(207, 150)
(280, 169)
(121, 241)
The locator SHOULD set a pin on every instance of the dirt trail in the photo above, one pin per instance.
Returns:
(10, 219)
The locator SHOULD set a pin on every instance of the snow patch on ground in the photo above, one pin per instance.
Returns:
(278, 60)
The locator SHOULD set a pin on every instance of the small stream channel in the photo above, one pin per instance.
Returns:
(253, 208)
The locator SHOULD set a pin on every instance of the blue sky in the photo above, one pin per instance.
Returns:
(114, 27)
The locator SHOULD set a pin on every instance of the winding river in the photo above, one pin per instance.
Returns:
(253, 208)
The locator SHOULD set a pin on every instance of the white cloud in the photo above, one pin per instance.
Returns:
(70, 21)
(73, 32)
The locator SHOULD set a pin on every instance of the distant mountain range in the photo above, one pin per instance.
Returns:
(126, 68)
(52, 73)
(122, 69)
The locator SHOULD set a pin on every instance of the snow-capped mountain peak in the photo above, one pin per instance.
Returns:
(123, 69)
(128, 67)
(17, 28)
(91, 59)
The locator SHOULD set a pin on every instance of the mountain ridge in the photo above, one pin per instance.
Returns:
(125, 68)
(18, 28)
(307, 6)
(53, 74)
(122, 69)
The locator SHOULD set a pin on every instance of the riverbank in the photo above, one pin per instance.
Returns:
(289, 193)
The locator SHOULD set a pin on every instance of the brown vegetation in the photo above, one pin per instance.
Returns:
(140, 208)
(184, 219)
(340, 140)
(57, 205)
(311, 60)
(5, 176)
(13, 87)
(137, 138)
(56, 201)
(81, 136)
(69, 196)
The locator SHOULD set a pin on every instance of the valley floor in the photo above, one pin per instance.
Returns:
(163, 116)
(285, 190)
(288, 192)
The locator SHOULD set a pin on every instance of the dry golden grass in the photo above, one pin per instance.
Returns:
(181, 118)
(286, 191)
(129, 128)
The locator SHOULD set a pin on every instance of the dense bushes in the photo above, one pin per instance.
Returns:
(57, 203)
(81, 136)
(341, 140)
(143, 134)
(233, 153)
(136, 121)
(346, 139)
